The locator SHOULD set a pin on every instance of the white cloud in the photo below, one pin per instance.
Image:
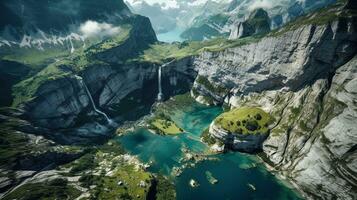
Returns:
(170, 4)
(265, 4)
(95, 29)
(197, 3)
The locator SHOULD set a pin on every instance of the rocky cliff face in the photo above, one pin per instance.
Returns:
(306, 79)
(65, 99)
(244, 143)
(286, 61)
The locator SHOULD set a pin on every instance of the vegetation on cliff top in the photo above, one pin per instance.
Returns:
(161, 52)
(245, 121)
(112, 42)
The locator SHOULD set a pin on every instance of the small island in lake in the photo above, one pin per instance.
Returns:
(210, 178)
(194, 183)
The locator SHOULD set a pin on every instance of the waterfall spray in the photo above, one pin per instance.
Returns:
(92, 101)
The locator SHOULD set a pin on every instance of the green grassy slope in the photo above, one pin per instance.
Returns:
(245, 121)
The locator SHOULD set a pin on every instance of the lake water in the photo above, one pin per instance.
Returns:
(231, 169)
(171, 36)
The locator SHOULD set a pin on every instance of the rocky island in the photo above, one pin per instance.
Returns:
(243, 129)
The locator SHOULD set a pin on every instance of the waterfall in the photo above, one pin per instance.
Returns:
(92, 101)
(72, 47)
(160, 95)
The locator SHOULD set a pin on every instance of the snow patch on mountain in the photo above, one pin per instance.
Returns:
(40, 40)
(39, 43)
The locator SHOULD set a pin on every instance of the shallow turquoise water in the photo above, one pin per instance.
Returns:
(165, 151)
(230, 170)
(233, 177)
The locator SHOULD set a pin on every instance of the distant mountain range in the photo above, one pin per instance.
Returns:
(205, 19)
(168, 15)
(43, 23)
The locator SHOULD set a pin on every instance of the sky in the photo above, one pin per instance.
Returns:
(167, 4)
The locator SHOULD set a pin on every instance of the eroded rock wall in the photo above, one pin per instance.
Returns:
(306, 79)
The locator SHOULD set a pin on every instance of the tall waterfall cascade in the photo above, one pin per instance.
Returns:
(92, 101)
(160, 95)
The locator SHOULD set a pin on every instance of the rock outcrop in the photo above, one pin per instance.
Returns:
(250, 143)
(242, 29)
(257, 23)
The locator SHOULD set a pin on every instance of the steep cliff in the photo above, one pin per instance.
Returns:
(304, 75)
(67, 101)
(257, 23)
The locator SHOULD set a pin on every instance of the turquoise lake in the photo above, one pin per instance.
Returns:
(230, 169)
(171, 36)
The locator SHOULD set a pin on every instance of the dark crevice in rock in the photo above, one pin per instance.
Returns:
(311, 35)
(352, 149)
